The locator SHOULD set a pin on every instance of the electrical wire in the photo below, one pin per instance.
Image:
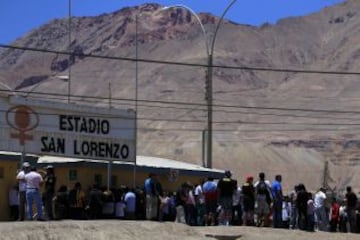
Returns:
(129, 59)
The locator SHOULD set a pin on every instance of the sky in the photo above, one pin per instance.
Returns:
(17, 17)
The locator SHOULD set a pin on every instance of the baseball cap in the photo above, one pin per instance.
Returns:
(26, 165)
(249, 178)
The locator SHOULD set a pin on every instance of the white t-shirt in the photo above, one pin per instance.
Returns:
(22, 183)
(199, 194)
(319, 199)
(237, 195)
(33, 180)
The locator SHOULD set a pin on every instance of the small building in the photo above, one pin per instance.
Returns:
(170, 173)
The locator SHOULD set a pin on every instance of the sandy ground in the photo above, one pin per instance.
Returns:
(146, 230)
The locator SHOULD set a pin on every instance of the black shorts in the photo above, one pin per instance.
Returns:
(249, 204)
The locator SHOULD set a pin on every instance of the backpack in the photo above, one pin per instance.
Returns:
(262, 188)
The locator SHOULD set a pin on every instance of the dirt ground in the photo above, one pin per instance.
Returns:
(147, 230)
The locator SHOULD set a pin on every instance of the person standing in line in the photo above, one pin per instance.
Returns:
(34, 181)
(310, 212)
(225, 189)
(210, 194)
(351, 204)
(294, 212)
(248, 192)
(343, 218)
(277, 193)
(76, 202)
(130, 202)
(322, 219)
(200, 203)
(181, 197)
(302, 197)
(95, 202)
(14, 202)
(50, 181)
(20, 177)
(334, 215)
(190, 206)
(263, 200)
(151, 197)
(164, 207)
(237, 212)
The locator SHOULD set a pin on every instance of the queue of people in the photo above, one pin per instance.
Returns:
(210, 202)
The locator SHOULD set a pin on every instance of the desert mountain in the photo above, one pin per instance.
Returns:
(269, 114)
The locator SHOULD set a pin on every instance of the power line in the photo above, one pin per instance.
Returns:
(261, 69)
(193, 104)
(145, 105)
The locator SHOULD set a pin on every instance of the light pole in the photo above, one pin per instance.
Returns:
(210, 44)
(69, 49)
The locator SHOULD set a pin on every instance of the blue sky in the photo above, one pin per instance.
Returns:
(18, 17)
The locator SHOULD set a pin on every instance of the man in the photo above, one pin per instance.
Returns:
(263, 200)
(76, 202)
(322, 218)
(34, 181)
(180, 201)
(351, 204)
(50, 181)
(225, 189)
(200, 203)
(22, 189)
(237, 212)
(130, 201)
(210, 194)
(248, 192)
(277, 194)
(151, 197)
(302, 198)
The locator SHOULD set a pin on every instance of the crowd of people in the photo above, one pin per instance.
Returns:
(210, 202)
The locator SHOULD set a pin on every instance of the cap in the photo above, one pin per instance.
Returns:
(249, 178)
(26, 165)
(49, 166)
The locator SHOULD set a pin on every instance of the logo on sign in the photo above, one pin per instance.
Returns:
(173, 175)
(23, 119)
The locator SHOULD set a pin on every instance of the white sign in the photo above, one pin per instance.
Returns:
(69, 130)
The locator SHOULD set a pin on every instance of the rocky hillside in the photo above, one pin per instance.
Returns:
(288, 122)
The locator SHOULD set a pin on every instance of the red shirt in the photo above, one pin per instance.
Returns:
(335, 212)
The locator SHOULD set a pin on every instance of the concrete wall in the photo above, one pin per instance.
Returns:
(8, 171)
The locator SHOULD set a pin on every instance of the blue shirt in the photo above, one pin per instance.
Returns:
(130, 200)
(148, 186)
(209, 186)
(276, 189)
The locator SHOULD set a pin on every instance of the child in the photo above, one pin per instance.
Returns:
(310, 214)
(335, 215)
(286, 209)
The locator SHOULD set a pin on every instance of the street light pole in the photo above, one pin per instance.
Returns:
(209, 73)
(69, 49)
(209, 88)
